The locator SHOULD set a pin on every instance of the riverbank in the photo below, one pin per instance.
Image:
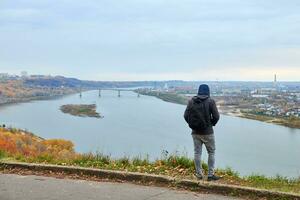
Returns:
(38, 98)
(16, 91)
(17, 145)
(288, 122)
(168, 97)
(226, 110)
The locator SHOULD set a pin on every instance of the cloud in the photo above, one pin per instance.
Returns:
(148, 37)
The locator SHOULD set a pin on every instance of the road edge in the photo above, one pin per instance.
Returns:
(197, 186)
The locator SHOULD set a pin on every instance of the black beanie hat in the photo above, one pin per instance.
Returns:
(204, 90)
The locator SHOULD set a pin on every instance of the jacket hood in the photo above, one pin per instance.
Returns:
(200, 98)
(203, 97)
(203, 90)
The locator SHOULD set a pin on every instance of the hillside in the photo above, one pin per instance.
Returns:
(59, 81)
(14, 91)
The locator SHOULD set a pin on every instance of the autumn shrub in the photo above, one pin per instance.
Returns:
(20, 144)
(58, 146)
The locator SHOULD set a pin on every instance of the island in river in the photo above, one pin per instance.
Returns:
(81, 110)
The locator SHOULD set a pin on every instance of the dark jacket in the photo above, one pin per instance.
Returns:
(211, 110)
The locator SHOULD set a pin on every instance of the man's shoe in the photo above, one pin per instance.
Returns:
(213, 178)
(199, 176)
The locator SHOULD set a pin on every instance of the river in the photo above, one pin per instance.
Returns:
(143, 126)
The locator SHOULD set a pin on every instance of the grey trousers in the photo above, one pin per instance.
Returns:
(209, 142)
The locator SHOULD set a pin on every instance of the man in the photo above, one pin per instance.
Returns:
(202, 114)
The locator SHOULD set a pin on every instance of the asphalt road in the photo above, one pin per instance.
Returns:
(15, 187)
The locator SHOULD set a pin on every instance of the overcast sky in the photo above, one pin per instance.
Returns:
(152, 39)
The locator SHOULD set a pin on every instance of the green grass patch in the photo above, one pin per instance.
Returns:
(173, 165)
(2, 154)
(276, 183)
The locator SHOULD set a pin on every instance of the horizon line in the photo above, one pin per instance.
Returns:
(153, 80)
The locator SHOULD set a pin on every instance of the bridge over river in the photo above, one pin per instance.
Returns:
(118, 91)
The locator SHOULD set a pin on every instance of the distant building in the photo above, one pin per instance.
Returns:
(298, 97)
(37, 76)
(275, 82)
(4, 75)
(267, 91)
(246, 92)
(24, 74)
(260, 96)
(185, 88)
(166, 87)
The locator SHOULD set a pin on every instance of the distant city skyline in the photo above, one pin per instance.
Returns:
(129, 40)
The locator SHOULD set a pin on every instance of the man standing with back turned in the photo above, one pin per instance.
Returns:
(202, 114)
